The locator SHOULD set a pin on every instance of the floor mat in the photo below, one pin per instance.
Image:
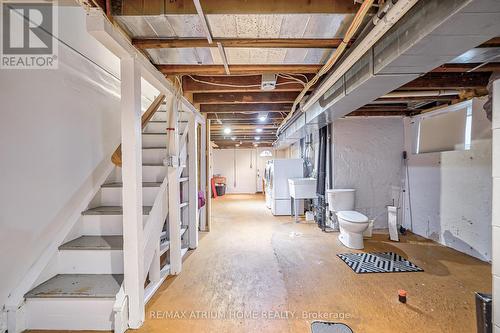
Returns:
(383, 262)
(327, 327)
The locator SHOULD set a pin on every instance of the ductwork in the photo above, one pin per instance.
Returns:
(430, 34)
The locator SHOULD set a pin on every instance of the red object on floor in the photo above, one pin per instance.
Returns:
(214, 191)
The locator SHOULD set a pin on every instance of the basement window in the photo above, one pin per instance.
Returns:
(446, 129)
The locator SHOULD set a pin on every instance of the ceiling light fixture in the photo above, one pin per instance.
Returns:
(263, 116)
(227, 130)
(255, 144)
(233, 138)
(257, 138)
(258, 130)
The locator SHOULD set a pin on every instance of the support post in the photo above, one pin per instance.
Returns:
(193, 221)
(203, 172)
(496, 202)
(174, 211)
(133, 232)
(208, 156)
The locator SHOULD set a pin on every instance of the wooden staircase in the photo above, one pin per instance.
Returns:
(86, 290)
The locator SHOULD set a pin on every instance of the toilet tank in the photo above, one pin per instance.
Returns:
(340, 199)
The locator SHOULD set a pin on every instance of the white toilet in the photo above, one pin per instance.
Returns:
(352, 224)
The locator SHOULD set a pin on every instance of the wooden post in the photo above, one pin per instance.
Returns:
(133, 232)
(193, 221)
(174, 211)
(496, 196)
(208, 156)
(203, 173)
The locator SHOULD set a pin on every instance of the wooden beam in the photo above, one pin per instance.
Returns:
(254, 107)
(461, 68)
(237, 83)
(494, 42)
(306, 43)
(235, 69)
(241, 117)
(449, 81)
(161, 7)
(359, 113)
(245, 97)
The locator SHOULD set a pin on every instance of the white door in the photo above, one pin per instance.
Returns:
(239, 168)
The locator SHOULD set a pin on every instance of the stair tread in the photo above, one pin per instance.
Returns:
(112, 210)
(144, 184)
(154, 147)
(94, 243)
(154, 133)
(78, 286)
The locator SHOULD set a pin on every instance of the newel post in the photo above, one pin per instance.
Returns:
(133, 232)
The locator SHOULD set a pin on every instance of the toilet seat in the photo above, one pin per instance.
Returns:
(352, 216)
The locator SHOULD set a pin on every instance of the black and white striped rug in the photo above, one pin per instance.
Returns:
(382, 262)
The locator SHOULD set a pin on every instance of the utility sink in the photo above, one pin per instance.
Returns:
(302, 188)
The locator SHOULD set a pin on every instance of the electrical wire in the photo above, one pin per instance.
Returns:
(248, 85)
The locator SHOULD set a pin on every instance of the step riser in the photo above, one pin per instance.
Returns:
(155, 127)
(155, 140)
(90, 262)
(103, 225)
(149, 173)
(112, 196)
(69, 314)
(160, 116)
(153, 156)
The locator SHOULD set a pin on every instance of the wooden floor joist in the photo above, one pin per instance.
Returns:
(308, 43)
(235, 69)
(245, 97)
(161, 7)
(254, 107)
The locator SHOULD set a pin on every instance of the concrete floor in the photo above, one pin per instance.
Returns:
(281, 276)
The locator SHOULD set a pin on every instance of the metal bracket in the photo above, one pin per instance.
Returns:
(171, 161)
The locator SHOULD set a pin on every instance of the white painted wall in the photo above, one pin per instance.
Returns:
(56, 128)
(451, 191)
(239, 166)
(367, 157)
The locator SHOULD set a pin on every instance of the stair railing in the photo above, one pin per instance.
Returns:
(116, 158)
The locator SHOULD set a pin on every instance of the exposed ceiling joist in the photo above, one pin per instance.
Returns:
(257, 107)
(235, 69)
(309, 43)
(361, 113)
(238, 83)
(160, 7)
(241, 117)
(461, 68)
(244, 97)
(449, 81)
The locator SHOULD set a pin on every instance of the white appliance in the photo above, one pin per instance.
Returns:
(352, 224)
(279, 171)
